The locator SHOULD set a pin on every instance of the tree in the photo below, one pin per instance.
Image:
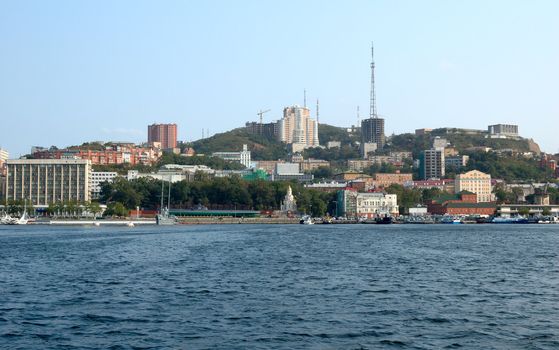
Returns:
(523, 211)
(94, 208)
(116, 209)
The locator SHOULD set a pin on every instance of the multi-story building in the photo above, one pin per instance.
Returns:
(297, 128)
(96, 178)
(242, 157)
(503, 130)
(290, 171)
(462, 203)
(431, 164)
(268, 130)
(44, 181)
(456, 162)
(365, 148)
(351, 203)
(164, 133)
(307, 165)
(4, 155)
(445, 185)
(476, 182)
(372, 130)
(440, 143)
(385, 180)
(112, 154)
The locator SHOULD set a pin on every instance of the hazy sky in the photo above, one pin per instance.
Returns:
(75, 71)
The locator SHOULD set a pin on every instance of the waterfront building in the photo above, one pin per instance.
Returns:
(44, 181)
(289, 204)
(372, 131)
(476, 182)
(351, 203)
(503, 131)
(463, 203)
(297, 128)
(431, 164)
(242, 157)
(166, 134)
(96, 178)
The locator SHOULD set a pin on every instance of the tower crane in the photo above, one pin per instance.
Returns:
(261, 114)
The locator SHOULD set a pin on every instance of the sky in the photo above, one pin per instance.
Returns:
(78, 71)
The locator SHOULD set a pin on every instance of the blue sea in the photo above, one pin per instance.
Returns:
(280, 287)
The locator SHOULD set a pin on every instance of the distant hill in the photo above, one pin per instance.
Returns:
(261, 147)
(462, 141)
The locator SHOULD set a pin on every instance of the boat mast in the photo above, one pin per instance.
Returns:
(161, 207)
(169, 196)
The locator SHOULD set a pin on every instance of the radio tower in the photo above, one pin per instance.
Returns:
(373, 98)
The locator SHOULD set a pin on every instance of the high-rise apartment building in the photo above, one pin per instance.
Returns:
(44, 181)
(432, 164)
(4, 155)
(297, 128)
(476, 182)
(166, 134)
(372, 131)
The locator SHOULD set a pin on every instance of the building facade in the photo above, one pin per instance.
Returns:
(372, 130)
(96, 178)
(166, 134)
(387, 179)
(351, 203)
(4, 155)
(41, 182)
(476, 182)
(503, 130)
(298, 128)
(242, 157)
(432, 164)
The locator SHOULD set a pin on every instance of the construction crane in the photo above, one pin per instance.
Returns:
(261, 114)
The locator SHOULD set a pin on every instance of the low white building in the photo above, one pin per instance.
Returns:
(173, 172)
(366, 205)
(242, 157)
(96, 178)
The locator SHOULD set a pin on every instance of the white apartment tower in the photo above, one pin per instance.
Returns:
(298, 128)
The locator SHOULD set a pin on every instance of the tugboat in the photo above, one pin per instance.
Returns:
(385, 220)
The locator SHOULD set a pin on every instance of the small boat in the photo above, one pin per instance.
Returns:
(306, 220)
(451, 220)
(516, 220)
(130, 224)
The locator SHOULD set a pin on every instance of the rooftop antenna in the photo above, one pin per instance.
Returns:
(305, 98)
(373, 98)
